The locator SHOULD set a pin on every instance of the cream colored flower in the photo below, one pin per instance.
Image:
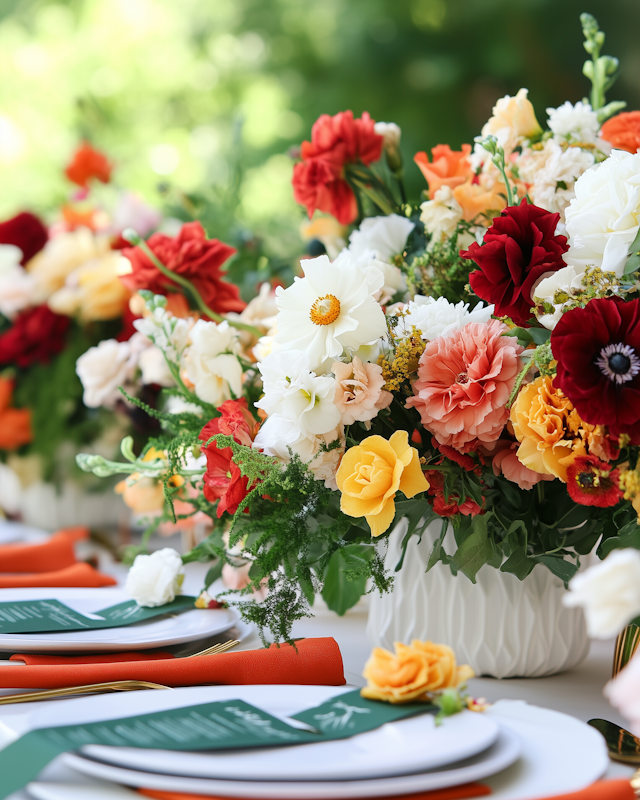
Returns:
(103, 369)
(155, 579)
(381, 238)
(359, 393)
(441, 215)
(94, 291)
(212, 364)
(513, 119)
(17, 287)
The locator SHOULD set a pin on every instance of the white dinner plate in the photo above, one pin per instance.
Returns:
(17, 533)
(159, 632)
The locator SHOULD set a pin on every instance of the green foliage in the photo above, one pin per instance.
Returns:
(440, 271)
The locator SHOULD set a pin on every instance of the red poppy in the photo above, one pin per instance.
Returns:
(25, 231)
(88, 163)
(191, 255)
(319, 180)
(451, 506)
(223, 480)
(623, 131)
(592, 482)
(518, 249)
(36, 335)
(598, 353)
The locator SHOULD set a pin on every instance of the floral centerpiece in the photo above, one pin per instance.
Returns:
(471, 359)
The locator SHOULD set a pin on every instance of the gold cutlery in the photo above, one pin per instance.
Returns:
(222, 647)
(622, 745)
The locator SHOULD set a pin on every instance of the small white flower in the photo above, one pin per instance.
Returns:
(380, 237)
(564, 280)
(578, 123)
(156, 579)
(212, 363)
(333, 307)
(439, 317)
(441, 215)
(390, 132)
(169, 333)
(154, 368)
(103, 369)
(609, 593)
(265, 346)
(17, 286)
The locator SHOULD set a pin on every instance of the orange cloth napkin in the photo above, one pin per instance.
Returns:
(76, 575)
(316, 662)
(102, 658)
(453, 793)
(48, 556)
(602, 790)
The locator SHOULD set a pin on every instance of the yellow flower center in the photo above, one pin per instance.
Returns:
(325, 310)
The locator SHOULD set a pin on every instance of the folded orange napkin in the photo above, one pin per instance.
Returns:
(453, 793)
(76, 575)
(602, 790)
(314, 662)
(102, 658)
(48, 556)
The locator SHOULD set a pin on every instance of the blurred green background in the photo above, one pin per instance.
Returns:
(209, 95)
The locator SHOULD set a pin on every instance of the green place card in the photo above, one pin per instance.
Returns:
(52, 616)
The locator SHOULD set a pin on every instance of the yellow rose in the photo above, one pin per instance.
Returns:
(412, 672)
(548, 428)
(93, 291)
(372, 472)
(513, 119)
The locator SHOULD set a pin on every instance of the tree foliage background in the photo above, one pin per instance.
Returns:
(209, 95)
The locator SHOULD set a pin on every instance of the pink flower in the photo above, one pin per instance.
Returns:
(464, 382)
(359, 393)
(507, 463)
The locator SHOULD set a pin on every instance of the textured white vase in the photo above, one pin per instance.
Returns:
(501, 626)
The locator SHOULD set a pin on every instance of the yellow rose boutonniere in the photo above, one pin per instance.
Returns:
(372, 472)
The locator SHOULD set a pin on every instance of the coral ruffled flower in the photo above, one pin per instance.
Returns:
(87, 163)
(359, 393)
(15, 423)
(598, 352)
(372, 472)
(318, 180)
(25, 231)
(464, 382)
(623, 131)
(480, 200)
(518, 250)
(191, 255)
(447, 167)
(223, 480)
(412, 672)
(506, 462)
(36, 335)
(592, 482)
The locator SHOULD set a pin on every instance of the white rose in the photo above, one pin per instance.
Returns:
(103, 369)
(609, 593)
(603, 218)
(154, 368)
(212, 364)
(17, 287)
(441, 215)
(439, 317)
(380, 237)
(156, 579)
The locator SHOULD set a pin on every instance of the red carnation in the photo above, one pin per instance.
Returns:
(191, 255)
(223, 480)
(25, 231)
(36, 335)
(519, 248)
(451, 506)
(598, 352)
(592, 482)
(318, 180)
(88, 163)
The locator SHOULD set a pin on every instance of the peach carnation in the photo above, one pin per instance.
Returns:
(464, 383)
(359, 393)
(506, 462)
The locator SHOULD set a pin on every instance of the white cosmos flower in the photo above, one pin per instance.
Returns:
(333, 307)
(212, 363)
(439, 317)
(604, 217)
(17, 286)
(579, 122)
(381, 237)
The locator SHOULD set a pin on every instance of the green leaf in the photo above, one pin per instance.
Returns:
(565, 570)
(518, 563)
(539, 335)
(628, 536)
(475, 551)
(633, 263)
(343, 586)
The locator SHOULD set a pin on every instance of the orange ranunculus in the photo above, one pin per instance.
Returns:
(447, 168)
(88, 163)
(549, 429)
(623, 131)
(478, 200)
(372, 472)
(412, 672)
(15, 423)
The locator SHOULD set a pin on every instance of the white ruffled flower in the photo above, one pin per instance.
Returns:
(156, 579)
(439, 317)
(212, 363)
(104, 368)
(17, 286)
(604, 217)
(609, 592)
(577, 122)
(390, 132)
(154, 368)
(333, 307)
(441, 215)
(557, 284)
(380, 237)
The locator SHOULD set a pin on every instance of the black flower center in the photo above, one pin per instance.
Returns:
(586, 480)
(618, 362)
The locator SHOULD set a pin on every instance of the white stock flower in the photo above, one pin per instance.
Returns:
(579, 122)
(441, 215)
(609, 592)
(154, 368)
(439, 317)
(333, 307)
(380, 237)
(390, 132)
(212, 363)
(103, 369)
(17, 286)
(169, 333)
(155, 579)
(604, 217)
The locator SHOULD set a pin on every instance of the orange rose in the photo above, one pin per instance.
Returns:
(15, 423)
(448, 167)
(623, 131)
(412, 672)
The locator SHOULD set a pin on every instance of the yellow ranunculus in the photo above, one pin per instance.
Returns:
(412, 672)
(93, 291)
(372, 472)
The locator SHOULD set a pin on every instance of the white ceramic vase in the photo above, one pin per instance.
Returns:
(501, 626)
